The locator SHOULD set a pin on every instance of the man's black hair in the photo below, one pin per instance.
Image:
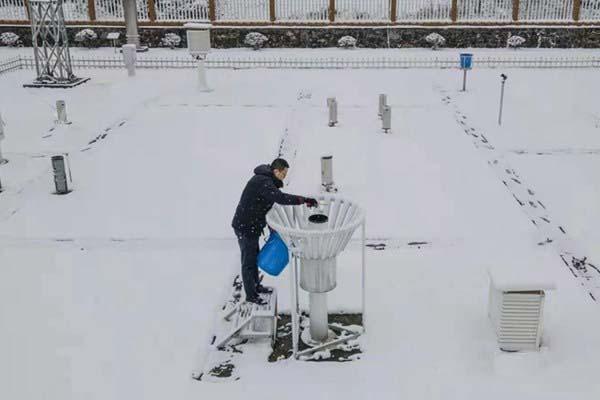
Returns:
(279, 163)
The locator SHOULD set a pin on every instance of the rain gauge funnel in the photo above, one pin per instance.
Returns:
(315, 237)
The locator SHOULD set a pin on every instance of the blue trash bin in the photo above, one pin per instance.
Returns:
(274, 256)
(466, 61)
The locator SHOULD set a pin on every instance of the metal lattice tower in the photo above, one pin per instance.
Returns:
(51, 45)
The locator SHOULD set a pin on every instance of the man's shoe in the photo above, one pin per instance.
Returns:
(256, 300)
(263, 289)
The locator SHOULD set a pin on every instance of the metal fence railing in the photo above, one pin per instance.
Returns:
(302, 10)
(11, 64)
(424, 11)
(219, 62)
(325, 11)
(546, 10)
(242, 10)
(491, 10)
(590, 10)
(182, 10)
(362, 10)
(112, 10)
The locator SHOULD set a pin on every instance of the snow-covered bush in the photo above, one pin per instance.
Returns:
(435, 40)
(515, 41)
(255, 40)
(86, 37)
(347, 42)
(171, 40)
(10, 39)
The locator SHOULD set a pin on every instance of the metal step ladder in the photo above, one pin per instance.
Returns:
(251, 321)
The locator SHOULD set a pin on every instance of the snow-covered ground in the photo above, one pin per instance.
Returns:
(112, 290)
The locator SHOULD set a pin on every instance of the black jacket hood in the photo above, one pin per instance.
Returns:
(265, 170)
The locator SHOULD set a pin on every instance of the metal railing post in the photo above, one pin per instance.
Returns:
(27, 10)
(151, 11)
(576, 10)
(92, 10)
(272, 15)
(212, 10)
(515, 10)
(394, 11)
(331, 10)
(454, 11)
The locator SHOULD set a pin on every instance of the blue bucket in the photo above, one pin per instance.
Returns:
(274, 256)
(466, 61)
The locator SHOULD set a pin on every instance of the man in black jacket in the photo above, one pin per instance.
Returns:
(261, 191)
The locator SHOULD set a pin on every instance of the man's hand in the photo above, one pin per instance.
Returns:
(310, 202)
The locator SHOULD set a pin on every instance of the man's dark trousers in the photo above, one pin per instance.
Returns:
(249, 250)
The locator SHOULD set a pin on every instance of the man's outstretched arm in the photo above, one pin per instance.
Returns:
(272, 193)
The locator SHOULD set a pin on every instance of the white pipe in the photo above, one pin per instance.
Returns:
(364, 270)
(202, 83)
(293, 283)
(296, 286)
(382, 103)
(319, 327)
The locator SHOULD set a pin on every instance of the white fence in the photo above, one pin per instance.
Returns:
(214, 62)
(11, 64)
(424, 10)
(489, 11)
(182, 10)
(302, 10)
(112, 10)
(485, 10)
(13, 10)
(590, 10)
(546, 10)
(243, 10)
(362, 10)
(75, 10)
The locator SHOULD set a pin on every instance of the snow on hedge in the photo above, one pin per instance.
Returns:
(435, 40)
(87, 37)
(171, 40)
(10, 39)
(255, 40)
(515, 41)
(347, 42)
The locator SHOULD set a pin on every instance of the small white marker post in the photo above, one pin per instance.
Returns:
(333, 111)
(2, 160)
(386, 119)
(382, 103)
(129, 58)
(61, 113)
(503, 78)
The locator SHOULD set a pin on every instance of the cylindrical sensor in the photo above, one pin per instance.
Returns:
(327, 171)
(382, 103)
(61, 112)
(60, 175)
(386, 119)
(333, 111)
